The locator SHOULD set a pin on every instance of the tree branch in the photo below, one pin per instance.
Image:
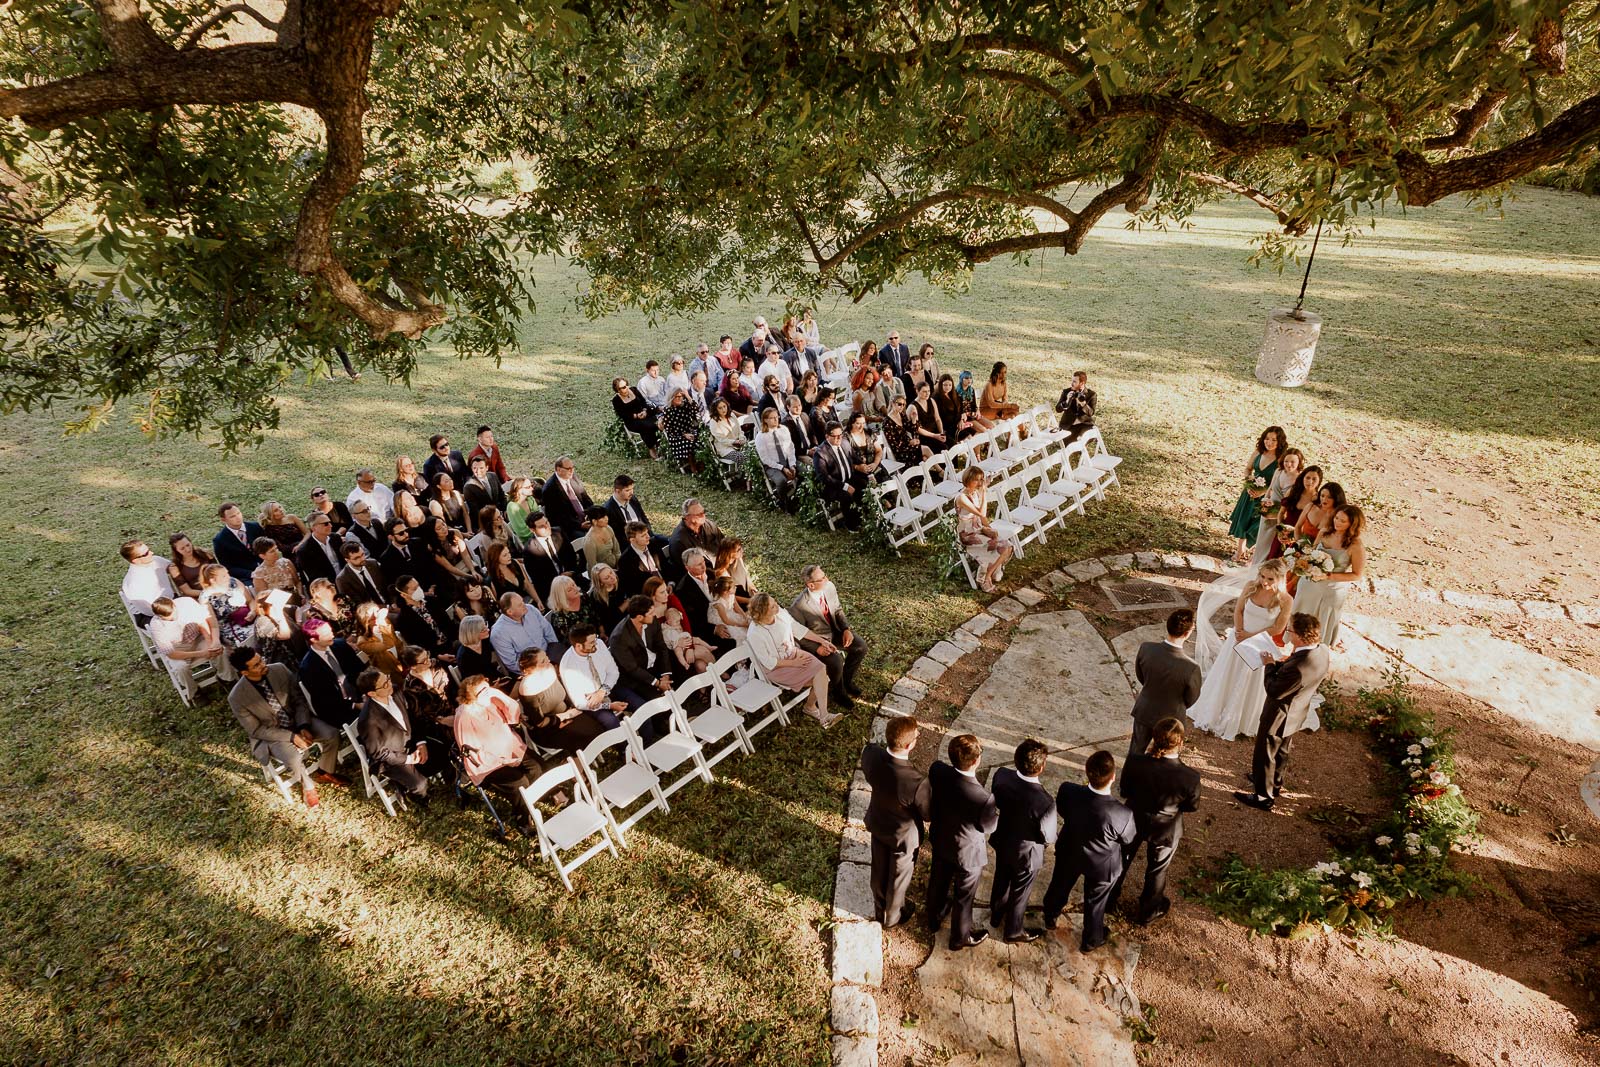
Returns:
(1287, 221)
(1031, 81)
(128, 34)
(222, 15)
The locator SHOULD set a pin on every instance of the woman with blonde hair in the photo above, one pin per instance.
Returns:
(605, 597)
(568, 608)
(1233, 693)
(773, 637)
(473, 653)
(286, 529)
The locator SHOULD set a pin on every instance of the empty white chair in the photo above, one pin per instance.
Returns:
(619, 788)
(570, 827)
(675, 748)
(906, 522)
(1091, 478)
(754, 695)
(718, 724)
(376, 782)
(1098, 457)
(1027, 522)
(1058, 489)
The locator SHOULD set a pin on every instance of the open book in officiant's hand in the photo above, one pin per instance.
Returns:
(1250, 649)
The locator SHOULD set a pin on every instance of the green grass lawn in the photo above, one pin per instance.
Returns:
(162, 906)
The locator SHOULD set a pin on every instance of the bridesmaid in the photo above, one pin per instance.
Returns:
(1314, 520)
(1247, 510)
(1323, 595)
(1282, 484)
(1303, 495)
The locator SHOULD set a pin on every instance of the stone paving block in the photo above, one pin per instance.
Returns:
(979, 624)
(858, 953)
(965, 641)
(926, 670)
(1202, 562)
(852, 892)
(855, 845)
(895, 704)
(1543, 609)
(1147, 561)
(856, 807)
(1176, 561)
(946, 652)
(1086, 569)
(1055, 582)
(854, 1051)
(909, 688)
(853, 1011)
(1008, 608)
(1584, 613)
(879, 724)
(1030, 597)
(1123, 562)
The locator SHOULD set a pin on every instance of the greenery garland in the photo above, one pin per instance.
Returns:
(755, 476)
(1405, 856)
(876, 529)
(618, 439)
(705, 454)
(947, 550)
(808, 498)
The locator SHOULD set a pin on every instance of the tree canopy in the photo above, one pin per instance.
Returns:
(198, 200)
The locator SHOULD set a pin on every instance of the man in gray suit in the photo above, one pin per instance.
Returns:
(817, 609)
(1169, 680)
(269, 704)
(1291, 683)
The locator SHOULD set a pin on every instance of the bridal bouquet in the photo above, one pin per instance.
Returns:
(1306, 559)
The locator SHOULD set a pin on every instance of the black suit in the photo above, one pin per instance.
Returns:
(962, 814)
(1291, 683)
(455, 467)
(896, 357)
(1158, 790)
(628, 647)
(632, 572)
(833, 478)
(1170, 684)
(1077, 411)
(806, 433)
(414, 629)
(371, 538)
(634, 512)
(563, 516)
(352, 588)
(332, 700)
(313, 562)
(417, 564)
(388, 743)
(696, 606)
(477, 494)
(1027, 825)
(1096, 831)
(544, 567)
(240, 559)
(709, 539)
(896, 815)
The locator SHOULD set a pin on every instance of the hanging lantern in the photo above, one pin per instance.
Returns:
(1290, 343)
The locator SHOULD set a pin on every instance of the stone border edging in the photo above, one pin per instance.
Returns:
(857, 958)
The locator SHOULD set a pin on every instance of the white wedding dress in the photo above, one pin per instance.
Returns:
(1231, 695)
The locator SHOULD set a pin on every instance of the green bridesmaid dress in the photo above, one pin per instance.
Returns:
(1246, 517)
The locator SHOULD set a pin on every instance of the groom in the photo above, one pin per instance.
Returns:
(1169, 681)
(1290, 683)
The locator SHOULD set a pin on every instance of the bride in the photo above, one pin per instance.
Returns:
(1233, 694)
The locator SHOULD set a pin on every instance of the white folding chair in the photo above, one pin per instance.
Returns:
(146, 642)
(1058, 489)
(1046, 426)
(1037, 496)
(753, 696)
(906, 523)
(376, 782)
(719, 724)
(570, 827)
(1090, 478)
(1006, 527)
(675, 748)
(1027, 521)
(1098, 457)
(188, 677)
(618, 789)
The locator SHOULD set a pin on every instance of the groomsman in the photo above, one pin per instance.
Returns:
(896, 816)
(1159, 788)
(1291, 683)
(963, 814)
(1169, 680)
(1027, 825)
(1095, 832)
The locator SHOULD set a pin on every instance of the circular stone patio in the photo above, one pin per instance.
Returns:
(1054, 661)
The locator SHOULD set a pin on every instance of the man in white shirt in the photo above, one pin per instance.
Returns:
(518, 628)
(775, 366)
(378, 497)
(776, 449)
(146, 580)
(588, 674)
(698, 395)
(653, 387)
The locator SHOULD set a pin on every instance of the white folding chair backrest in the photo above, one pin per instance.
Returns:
(718, 724)
(755, 695)
(570, 827)
(146, 642)
(618, 788)
(375, 782)
(676, 747)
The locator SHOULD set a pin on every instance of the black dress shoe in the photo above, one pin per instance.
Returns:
(1023, 938)
(841, 698)
(976, 939)
(1254, 800)
(1146, 920)
(852, 689)
(1050, 921)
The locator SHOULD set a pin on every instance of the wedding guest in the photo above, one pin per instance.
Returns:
(231, 603)
(551, 719)
(286, 529)
(547, 554)
(1077, 406)
(505, 573)
(379, 499)
(994, 404)
(482, 490)
(328, 671)
(771, 396)
(442, 459)
(727, 357)
(326, 605)
(1258, 475)
(892, 387)
(600, 544)
(492, 754)
(701, 396)
(951, 413)
(489, 450)
(868, 398)
(1158, 788)
(681, 421)
(318, 555)
(808, 328)
(410, 512)
(775, 368)
(962, 813)
(989, 551)
(805, 432)
(773, 638)
(452, 560)
(185, 634)
(728, 620)
(518, 628)
(639, 561)
(837, 477)
(374, 637)
(1291, 684)
(644, 665)
(775, 448)
(929, 423)
(653, 387)
(333, 510)
(969, 405)
(386, 735)
(737, 391)
(568, 608)
(274, 572)
(917, 375)
(900, 431)
(360, 580)
(1282, 484)
(590, 676)
(727, 438)
(1169, 680)
(605, 596)
(364, 532)
(693, 594)
(1096, 832)
(729, 562)
(896, 816)
(694, 530)
(866, 454)
(755, 345)
(145, 580)
(566, 501)
(476, 598)
(492, 530)
(635, 414)
(1027, 825)
(272, 710)
(842, 650)
(808, 391)
(407, 480)
(474, 654)
(231, 545)
(520, 503)
(185, 561)
(414, 620)
(398, 557)
(704, 362)
(431, 698)
(894, 355)
(1323, 594)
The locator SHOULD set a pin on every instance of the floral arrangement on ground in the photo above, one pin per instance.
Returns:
(1405, 856)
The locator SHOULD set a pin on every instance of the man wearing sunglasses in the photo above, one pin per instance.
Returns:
(442, 459)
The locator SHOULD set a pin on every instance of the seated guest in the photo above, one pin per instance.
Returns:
(552, 721)
(336, 512)
(1077, 406)
(414, 620)
(727, 356)
(183, 570)
(490, 451)
(994, 402)
(867, 355)
(895, 355)
(727, 437)
(399, 557)
(366, 532)
(635, 414)
(566, 502)
(771, 396)
(589, 675)
(969, 404)
(506, 574)
(474, 654)
(840, 482)
(374, 637)
(483, 489)
(701, 395)
(930, 425)
(644, 664)
(900, 431)
(518, 628)
(750, 380)
(520, 503)
(869, 399)
(694, 530)
(809, 329)
(379, 499)
(774, 367)
(755, 346)
(600, 544)
(474, 597)
(892, 386)
(386, 735)
(329, 670)
(274, 714)
(727, 618)
(547, 553)
(442, 459)
(231, 545)
(493, 755)
(776, 449)
(318, 555)
(773, 638)
(737, 391)
(653, 387)
(325, 603)
(452, 559)
(407, 480)
(825, 410)
(682, 425)
(624, 506)
(492, 530)
(805, 433)
(866, 453)
(185, 634)
(639, 560)
(448, 503)
(286, 529)
(145, 580)
(952, 413)
(677, 376)
(605, 596)
(694, 594)
(840, 650)
(408, 511)
(800, 358)
(918, 373)
(704, 361)
(693, 654)
(568, 607)
(274, 573)
(430, 698)
(809, 390)
(360, 580)
(729, 563)
(231, 603)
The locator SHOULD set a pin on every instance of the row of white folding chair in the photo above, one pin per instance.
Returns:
(376, 782)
